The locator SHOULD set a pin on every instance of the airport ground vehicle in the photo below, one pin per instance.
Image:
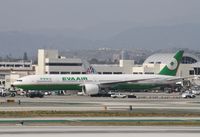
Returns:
(118, 95)
(131, 96)
(33, 94)
(47, 93)
(101, 95)
(195, 90)
(188, 94)
(21, 93)
(4, 93)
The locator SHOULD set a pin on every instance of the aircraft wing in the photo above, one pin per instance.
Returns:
(179, 78)
(108, 83)
(125, 81)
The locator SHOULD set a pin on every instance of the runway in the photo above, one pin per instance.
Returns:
(84, 103)
(88, 131)
(40, 121)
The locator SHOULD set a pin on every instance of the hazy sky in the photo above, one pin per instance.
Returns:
(80, 14)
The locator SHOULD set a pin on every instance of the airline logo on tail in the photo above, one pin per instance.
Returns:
(173, 64)
(90, 70)
(171, 68)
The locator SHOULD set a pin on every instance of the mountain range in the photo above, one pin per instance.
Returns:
(154, 37)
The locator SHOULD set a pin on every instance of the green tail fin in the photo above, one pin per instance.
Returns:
(171, 68)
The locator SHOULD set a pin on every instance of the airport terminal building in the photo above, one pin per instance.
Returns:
(49, 62)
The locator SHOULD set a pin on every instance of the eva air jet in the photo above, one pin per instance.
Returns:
(92, 83)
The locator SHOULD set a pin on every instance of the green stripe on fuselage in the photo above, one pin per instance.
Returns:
(50, 87)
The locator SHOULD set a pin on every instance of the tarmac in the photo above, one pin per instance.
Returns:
(144, 101)
(100, 131)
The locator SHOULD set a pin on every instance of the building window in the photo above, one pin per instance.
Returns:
(9, 65)
(26, 66)
(17, 65)
(191, 72)
(53, 72)
(83, 72)
(65, 73)
(158, 62)
(188, 60)
(63, 64)
(138, 72)
(117, 72)
(197, 71)
(149, 73)
(135, 72)
(75, 72)
(107, 72)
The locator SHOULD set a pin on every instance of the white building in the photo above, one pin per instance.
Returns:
(17, 69)
(49, 62)
(154, 63)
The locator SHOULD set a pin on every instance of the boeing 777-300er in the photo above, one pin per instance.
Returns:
(91, 84)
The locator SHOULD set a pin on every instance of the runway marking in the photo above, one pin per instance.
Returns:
(98, 130)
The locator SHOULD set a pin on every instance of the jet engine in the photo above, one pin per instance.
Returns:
(90, 89)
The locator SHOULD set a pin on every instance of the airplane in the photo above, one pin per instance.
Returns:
(92, 84)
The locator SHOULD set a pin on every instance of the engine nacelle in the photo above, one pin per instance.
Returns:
(90, 89)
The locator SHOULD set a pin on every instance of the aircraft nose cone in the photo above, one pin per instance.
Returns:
(15, 83)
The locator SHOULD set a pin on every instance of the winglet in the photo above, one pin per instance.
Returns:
(171, 68)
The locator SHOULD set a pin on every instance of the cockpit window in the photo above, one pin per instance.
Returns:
(19, 80)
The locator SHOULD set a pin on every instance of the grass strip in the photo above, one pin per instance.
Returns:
(18, 114)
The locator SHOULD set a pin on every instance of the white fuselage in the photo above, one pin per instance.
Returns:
(100, 80)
